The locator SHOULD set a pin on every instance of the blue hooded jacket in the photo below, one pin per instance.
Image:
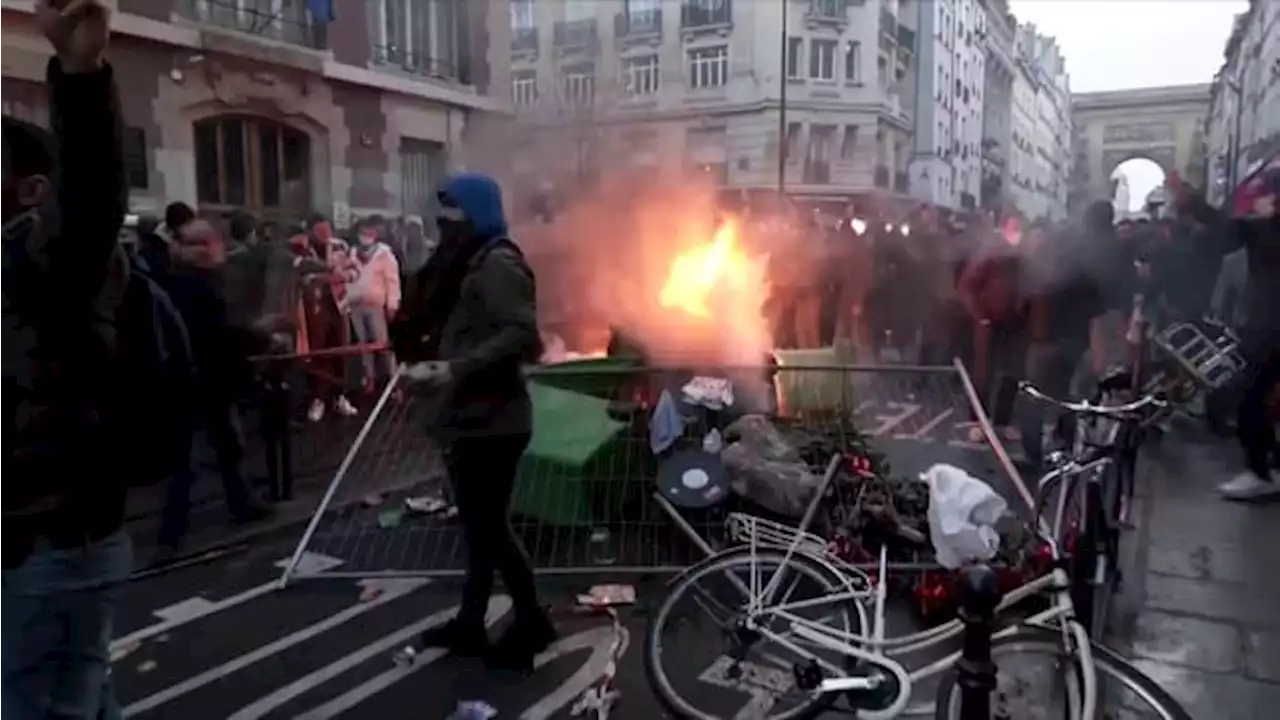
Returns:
(480, 200)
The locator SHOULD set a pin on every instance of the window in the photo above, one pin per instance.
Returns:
(822, 59)
(252, 163)
(793, 139)
(817, 168)
(709, 67)
(641, 76)
(852, 62)
(795, 46)
(285, 20)
(136, 165)
(579, 10)
(422, 167)
(579, 85)
(524, 88)
(521, 14)
(418, 36)
(849, 143)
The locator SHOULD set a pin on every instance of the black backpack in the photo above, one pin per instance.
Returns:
(158, 386)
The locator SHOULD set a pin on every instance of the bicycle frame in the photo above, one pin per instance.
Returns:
(877, 649)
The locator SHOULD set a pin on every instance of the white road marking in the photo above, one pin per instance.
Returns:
(195, 608)
(889, 422)
(761, 683)
(499, 605)
(391, 590)
(924, 433)
(599, 640)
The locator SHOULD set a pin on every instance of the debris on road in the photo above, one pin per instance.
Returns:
(369, 593)
(474, 710)
(602, 596)
(389, 519)
(372, 500)
(146, 666)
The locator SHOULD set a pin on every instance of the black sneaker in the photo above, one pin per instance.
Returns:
(522, 642)
(459, 637)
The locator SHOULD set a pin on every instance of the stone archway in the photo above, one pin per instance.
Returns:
(1164, 156)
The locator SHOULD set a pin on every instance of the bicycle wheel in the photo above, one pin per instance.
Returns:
(734, 674)
(1124, 693)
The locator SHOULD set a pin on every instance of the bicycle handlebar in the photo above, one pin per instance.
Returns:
(1084, 407)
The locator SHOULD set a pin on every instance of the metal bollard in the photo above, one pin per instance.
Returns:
(979, 591)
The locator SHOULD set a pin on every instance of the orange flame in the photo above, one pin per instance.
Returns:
(697, 274)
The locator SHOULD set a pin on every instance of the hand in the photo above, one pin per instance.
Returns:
(78, 30)
(429, 373)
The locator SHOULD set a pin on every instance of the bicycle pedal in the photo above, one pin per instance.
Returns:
(808, 676)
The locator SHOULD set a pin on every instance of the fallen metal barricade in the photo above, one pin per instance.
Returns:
(588, 493)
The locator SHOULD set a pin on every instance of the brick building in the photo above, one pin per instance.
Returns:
(256, 104)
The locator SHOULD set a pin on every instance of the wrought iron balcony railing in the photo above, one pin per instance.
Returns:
(289, 22)
(706, 13)
(634, 24)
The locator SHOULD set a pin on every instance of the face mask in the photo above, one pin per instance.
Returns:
(367, 239)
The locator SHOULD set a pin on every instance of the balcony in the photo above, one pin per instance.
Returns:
(524, 41)
(706, 14)
(292, 24)
(639, 25)
(828, 12)
(419, 63)
(581, 35)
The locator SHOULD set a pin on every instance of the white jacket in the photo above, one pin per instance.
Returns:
(378, 284)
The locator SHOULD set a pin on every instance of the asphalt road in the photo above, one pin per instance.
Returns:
(219, 641)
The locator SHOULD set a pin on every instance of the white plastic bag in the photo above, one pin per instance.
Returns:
(963, 511)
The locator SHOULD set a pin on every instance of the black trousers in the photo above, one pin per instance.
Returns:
(1254, 426)
(483, 472)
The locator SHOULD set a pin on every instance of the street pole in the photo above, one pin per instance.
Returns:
(782, 104)
(1235, 136)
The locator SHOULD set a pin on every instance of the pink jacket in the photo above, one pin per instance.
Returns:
(378, 282)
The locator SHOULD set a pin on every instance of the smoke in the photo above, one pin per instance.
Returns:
(608, 254)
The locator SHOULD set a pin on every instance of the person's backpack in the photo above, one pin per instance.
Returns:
(158, 384)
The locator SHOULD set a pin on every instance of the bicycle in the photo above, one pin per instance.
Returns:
(1091, 517)
(846, 652)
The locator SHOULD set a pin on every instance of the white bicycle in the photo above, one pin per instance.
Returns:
(796, 653)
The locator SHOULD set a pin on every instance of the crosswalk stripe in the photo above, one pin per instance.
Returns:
(192, 609)
(498, 606)
(391, 590)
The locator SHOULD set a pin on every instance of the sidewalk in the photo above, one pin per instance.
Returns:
(1200, 607)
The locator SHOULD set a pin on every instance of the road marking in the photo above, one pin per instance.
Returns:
(599, 640)
(391, 590)
(195, 608)
(756, 681)
(889, 422)
(923, 434)
(499, 605)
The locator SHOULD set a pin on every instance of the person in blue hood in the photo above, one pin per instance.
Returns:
(468, 325)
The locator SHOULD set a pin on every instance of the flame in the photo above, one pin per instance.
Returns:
(697, 274)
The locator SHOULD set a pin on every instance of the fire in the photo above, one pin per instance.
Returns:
(698, 274)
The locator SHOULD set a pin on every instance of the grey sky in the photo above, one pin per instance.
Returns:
(1119, 44)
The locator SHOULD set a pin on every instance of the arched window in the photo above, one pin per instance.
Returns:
(252, 163)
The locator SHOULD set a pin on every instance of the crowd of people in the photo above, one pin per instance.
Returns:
(116, 356)
(1051, 303)
(113, 360)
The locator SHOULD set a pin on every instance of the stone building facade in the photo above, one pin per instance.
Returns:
(255, 105)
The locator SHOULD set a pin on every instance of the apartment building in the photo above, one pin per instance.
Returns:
(1041, 132)
(264, 106)
(997, 105)
(946, 168)
(1243, 127)
(728, 88)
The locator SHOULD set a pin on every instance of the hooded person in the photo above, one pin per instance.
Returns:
(468, 325)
